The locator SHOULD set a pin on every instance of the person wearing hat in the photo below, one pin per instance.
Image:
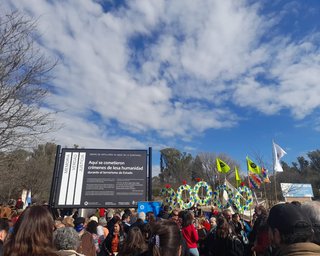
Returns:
(86, 246)
(290, 231)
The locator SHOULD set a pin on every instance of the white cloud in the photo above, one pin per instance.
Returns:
(197, 58)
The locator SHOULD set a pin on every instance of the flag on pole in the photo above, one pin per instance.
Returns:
(264, 175)
(238, 179)
(222, 166)
(252, 167)
(254, 181)
(278, 154)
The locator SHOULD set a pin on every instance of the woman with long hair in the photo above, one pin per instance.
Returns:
(92, 229)
(190, 233)
(113, 242)
(134, 244)
(225, 243)
(165, 239)
(32, 234)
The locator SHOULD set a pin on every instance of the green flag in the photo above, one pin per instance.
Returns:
(252, 167)
(222, 166)
(238, 179)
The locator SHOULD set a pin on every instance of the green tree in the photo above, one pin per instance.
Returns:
(314, 157)
(197, 169)
(175, 167)
(21, 169)
(39, 171)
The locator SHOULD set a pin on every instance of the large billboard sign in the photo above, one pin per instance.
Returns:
(91, 178)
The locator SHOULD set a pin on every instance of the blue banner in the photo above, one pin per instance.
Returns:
(149, 207)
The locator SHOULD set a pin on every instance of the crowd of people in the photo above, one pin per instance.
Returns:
(286, 229)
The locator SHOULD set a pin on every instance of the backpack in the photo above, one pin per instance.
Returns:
(236, 246)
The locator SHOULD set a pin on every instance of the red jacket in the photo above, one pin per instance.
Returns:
(190, 234)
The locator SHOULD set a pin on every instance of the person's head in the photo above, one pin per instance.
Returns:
(117, 228)
(150, 217)
(213, 222)
(109, 215)
(58, 224)
(260, 210)
(312, 210)
(92, 227)
(142, 216)
(66, 238)
(128, 212)
(103, 222)
(227, 214)
(187, 218)
(134, 242)
(94, 218)
(166, 208)
(175, 214)
(165, 239)
(4, 228)
(32, 233)
(236, 217)
(222, 227)
(79, 224)
(126, 218)
(288, 225)
(68, 221)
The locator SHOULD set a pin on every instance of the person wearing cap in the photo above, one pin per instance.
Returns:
(290, 231)
(86, 246)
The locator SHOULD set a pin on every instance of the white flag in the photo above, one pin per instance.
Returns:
(278, 154)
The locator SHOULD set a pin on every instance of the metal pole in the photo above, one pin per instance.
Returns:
(54, 177)
(274, 172)
(150, 175)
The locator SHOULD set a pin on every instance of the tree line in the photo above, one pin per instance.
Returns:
(177, 166)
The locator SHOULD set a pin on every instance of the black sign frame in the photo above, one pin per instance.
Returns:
(101, 178)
